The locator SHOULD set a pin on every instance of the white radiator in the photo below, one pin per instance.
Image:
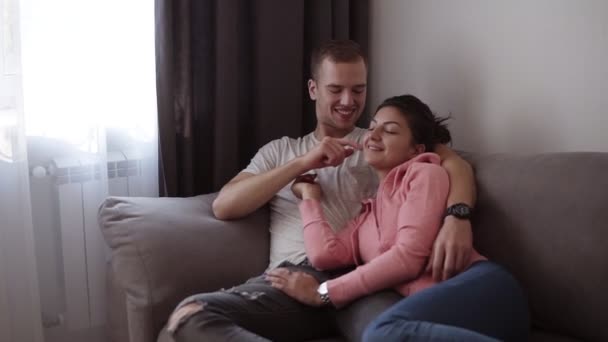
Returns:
(81, 187)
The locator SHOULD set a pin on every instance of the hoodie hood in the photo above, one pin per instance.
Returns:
(392, 182)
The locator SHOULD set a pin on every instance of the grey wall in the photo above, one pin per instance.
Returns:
(518, 75)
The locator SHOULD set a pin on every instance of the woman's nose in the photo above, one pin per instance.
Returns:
(374, 134)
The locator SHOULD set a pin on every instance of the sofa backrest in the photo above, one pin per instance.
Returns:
(165, 249)
(545, 218)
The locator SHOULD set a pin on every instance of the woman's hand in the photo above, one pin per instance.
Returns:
(305, 187)
(297, 285)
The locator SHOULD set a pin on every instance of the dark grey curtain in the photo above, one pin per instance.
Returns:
(231, 76)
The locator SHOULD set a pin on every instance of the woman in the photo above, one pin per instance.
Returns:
(390, 243)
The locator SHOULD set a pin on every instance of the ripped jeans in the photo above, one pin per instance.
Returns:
(254, 311)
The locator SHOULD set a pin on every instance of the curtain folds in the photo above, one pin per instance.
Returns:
(231, 76)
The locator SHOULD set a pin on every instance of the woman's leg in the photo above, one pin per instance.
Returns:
(483, 303)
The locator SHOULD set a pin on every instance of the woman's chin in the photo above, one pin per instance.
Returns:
(371, 161)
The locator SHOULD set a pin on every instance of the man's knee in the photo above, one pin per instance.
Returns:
(212, 305)
(179, 316)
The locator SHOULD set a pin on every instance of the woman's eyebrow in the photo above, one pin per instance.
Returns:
(386, 122)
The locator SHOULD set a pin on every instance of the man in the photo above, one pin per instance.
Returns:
(255, 310)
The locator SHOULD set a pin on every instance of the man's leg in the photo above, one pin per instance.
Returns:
(254, 311)
(484, 303)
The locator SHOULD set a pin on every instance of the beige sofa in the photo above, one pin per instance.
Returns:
(545, 217)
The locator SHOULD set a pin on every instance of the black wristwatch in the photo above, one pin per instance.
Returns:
(459, 210)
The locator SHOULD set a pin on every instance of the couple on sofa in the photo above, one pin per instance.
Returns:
(354, 212)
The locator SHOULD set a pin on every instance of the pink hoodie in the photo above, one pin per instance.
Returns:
(390, 241)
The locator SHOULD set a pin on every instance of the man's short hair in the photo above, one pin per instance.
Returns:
(337, 51)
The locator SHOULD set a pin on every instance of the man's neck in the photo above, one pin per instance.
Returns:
(323, 131)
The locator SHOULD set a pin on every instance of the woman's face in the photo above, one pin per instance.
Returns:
(389, 141)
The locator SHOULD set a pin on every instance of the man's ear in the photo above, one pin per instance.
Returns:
(312, 89)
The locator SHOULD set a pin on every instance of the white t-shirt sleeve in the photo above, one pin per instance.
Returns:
(266, 159)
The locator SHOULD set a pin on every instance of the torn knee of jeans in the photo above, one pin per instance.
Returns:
(181, 314)
(230, 290)
(187, 310)
(248, 295)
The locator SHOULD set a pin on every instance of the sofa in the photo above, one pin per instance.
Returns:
(543, 216)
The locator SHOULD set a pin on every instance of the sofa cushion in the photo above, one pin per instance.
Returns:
(165, 336)
(545, 218)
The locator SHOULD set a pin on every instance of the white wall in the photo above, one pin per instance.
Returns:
(517, 76)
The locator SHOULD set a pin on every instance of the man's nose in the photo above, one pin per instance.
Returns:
(347, 98)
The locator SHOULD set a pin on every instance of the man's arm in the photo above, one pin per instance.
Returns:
(462, 179)
(247, 192)
(454, 243)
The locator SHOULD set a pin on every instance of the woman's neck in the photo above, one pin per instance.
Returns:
(381, 174)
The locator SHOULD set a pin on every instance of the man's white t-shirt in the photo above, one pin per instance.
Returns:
(343, 187)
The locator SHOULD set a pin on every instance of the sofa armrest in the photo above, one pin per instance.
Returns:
(164, 249)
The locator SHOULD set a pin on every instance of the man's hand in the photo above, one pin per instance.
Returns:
(305, 187)
(329, 152)
(298, 285)
(452, 249)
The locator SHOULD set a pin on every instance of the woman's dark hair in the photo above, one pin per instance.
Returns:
(427, 129)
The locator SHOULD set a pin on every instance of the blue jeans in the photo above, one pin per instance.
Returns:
(483, 303)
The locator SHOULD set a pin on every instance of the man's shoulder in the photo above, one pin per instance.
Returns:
(286, 141)
(287, 147)
(308, 140)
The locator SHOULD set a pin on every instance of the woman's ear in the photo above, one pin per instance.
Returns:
(420, 148)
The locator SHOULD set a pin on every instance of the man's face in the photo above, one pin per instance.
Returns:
(339, 92)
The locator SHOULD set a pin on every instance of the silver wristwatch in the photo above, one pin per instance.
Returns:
(324, 293)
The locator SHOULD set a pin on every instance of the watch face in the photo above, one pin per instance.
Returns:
(322, 288)
(460, 210)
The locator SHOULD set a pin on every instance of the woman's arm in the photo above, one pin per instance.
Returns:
(418, 222)
(324, 248)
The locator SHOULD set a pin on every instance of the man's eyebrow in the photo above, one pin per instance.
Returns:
(333, 85)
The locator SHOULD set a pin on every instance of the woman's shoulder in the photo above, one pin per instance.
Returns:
(426, 165)
(426, 158)
(424, 162)
(424, 168)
